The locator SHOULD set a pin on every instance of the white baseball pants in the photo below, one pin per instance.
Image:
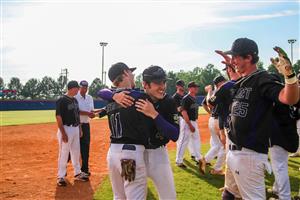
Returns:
(185, 137)
(216, 147)
(160, 171)
(248, 170)
(72, 147)
(279, 162)
(122, 189)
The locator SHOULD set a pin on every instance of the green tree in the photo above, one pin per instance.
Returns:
(207, 76)
(96, 85)
(296, 67)
(31, 89)
(15, 84)
(139, 81)
(260, 65)
(1, 83)
(48, 88)
(62, 85)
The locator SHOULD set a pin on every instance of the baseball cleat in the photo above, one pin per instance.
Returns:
(202, 166)
(294, 155)
(81, 177)
(61, 182)
(181, 165)
(217, 172)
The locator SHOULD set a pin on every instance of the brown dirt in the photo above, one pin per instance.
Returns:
(28, 159)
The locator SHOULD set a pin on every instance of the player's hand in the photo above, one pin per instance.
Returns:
(227, 59)
(64, 137)
(192, 128)
(208, 88)
(146, 107)
(91, 115)
(282, 62)
(123, 99)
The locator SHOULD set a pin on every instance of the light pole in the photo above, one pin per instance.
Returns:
(292, 41)
(102, 44)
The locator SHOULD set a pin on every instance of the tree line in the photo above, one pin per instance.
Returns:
(49, 88)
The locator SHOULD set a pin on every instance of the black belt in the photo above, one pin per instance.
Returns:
(129, 147)
(234, 147)
(154, 146)
(72, 125)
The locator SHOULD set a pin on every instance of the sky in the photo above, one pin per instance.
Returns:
(39, 38)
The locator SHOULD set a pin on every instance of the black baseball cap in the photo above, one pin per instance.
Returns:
(117, 69)
(192, 84)
(180, 83)
(72, 84)
(84, 83)
(154, 74)
(219, 79)
(243, 46)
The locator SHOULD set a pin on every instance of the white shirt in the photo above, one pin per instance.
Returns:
(85, 104)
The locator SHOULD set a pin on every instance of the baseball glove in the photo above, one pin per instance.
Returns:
(128, 169)
(284, 65)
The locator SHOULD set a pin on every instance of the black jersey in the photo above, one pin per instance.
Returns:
(213, 110)
(127, 125)
(284, 131)
(166, 107)
(178, 100)
(189, 104)
(251, 110)
(68, 109)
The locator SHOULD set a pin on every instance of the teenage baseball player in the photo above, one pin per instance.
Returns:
(189, 126)
(67, 117)
(284, 139)
(251, 116)
(297, 110)
(86, 108)
(129, 135)
(216, 147)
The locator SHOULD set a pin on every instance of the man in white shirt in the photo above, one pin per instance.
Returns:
(86, 108)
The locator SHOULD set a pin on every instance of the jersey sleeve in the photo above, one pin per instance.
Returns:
(270, 88)
(217, 97)
(186, 103)
(59, 105)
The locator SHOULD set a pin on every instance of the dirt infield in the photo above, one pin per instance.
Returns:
(28, 160)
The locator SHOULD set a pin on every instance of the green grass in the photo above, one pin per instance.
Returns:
(8, 118)
(190, 185)
(26, 117)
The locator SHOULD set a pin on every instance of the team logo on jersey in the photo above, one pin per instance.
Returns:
(176, 118)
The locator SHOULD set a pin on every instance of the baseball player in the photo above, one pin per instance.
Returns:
(86, 108)
(189, 126)
(129, 135)
(284, 139)
(163, 127)
(67, 117)
(216, 148)
(297, 110)
(251, 116)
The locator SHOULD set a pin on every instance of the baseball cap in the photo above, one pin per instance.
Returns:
(219, 79)
(72, 84)
(192, 84)
(243, 46)
(84, 83)
(154, 74)
(117, 69)
(180, 83)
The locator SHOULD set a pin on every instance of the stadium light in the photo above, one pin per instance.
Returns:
(103, 44)
(292, 41)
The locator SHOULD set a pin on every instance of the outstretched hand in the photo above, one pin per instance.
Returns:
(227, 60)
(282, 62)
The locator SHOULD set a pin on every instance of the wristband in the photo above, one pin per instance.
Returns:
(291, 80)
(291, 75)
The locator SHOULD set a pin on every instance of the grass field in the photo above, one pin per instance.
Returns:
(34, 117)
(192, 186)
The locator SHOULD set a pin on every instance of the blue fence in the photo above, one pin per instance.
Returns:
(6, 105)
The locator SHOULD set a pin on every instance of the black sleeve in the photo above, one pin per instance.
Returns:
(217, 97)
(59, 105)
(269, 87)
(186, 103)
